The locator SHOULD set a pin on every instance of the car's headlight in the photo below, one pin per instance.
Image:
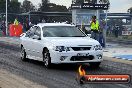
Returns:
(98, 47)
(61, 48)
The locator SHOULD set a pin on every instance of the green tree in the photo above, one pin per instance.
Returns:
(14, 6)
(3, 5)
(57, 8)
(130, 10)
(27, 6)
(51, 7)
(44, 6)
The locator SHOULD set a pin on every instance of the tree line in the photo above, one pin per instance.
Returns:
(130, 10)
(14, 6)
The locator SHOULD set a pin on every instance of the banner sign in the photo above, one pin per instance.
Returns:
(126, 32)
(83, 78)
(90, 6)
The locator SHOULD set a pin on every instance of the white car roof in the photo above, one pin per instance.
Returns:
(54, 24)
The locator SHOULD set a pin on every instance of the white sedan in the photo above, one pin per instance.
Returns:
(55, 43)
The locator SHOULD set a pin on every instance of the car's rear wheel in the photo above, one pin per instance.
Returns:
(23, 54)
(95, 64)
(47, 58)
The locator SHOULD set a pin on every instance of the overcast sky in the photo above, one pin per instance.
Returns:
(118, 6)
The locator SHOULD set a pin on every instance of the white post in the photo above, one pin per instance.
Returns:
(105, 29)
(74, 16)
(6, 20)
(98, 15)
(131, 23)
(98, 12)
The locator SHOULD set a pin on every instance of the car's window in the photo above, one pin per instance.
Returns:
(62, 31)
(38, 31)
(30, 32)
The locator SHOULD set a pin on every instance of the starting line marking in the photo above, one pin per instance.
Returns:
(124, 57)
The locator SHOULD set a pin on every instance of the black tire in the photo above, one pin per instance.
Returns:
(95, 64)
(47, 58)
(23, 54)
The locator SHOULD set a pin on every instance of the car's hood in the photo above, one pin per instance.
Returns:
(71, 41)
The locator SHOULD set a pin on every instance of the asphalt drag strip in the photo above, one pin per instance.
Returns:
(60, 76)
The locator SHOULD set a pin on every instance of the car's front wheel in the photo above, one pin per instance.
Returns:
(23, 54)
(95, 64)
(47, 58)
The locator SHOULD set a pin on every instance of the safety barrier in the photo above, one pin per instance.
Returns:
(126, 32)
(15, 30)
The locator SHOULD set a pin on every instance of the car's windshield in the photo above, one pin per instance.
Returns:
(62, 31)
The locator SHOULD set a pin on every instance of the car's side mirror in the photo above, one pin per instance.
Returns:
(36, 37)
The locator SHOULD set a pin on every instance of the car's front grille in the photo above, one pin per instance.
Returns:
(80, 48)
(81, 58)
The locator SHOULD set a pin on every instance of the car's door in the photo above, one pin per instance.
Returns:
(27, 41)
(37, 44)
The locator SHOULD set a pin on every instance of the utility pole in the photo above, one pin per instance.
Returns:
(131, 21)
(6, 19)
(129, 11)
(98, 12)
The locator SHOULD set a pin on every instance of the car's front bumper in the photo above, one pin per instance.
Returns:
(73, 57)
